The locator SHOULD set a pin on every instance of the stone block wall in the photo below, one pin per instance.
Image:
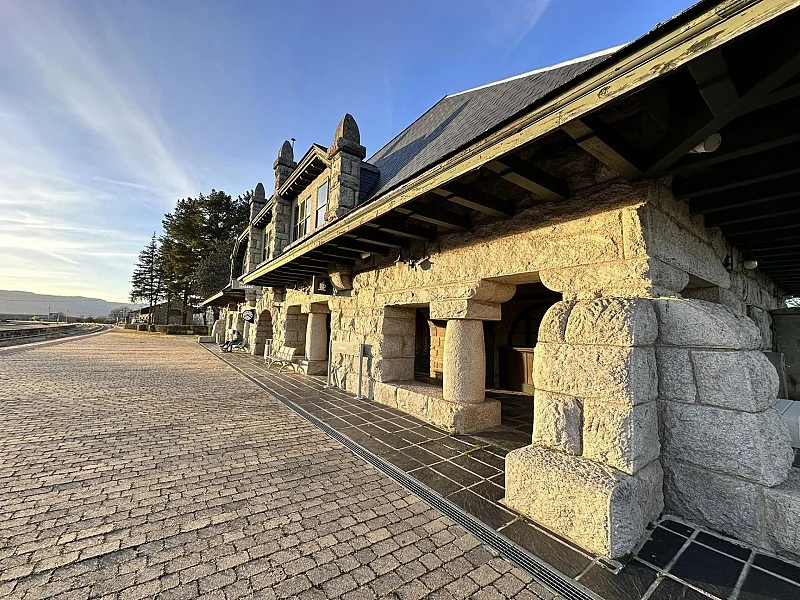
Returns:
(724, 445)
(638, 395)
(592, 473)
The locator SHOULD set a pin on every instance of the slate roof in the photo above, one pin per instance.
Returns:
(459, 119)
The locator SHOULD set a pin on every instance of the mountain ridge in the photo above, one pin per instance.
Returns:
(20, 302)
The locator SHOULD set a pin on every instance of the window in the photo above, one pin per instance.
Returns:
(322, 203)
(267, 242)
(300, 218)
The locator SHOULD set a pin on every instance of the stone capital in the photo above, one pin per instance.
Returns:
(315, 308)
(465, 309)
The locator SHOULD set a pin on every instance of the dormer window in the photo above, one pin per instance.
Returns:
(322, 203)
(300, 217)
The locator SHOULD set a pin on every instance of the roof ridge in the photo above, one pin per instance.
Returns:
(565, 63)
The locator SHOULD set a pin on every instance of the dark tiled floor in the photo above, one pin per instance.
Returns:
(695, 564)
(678, 561)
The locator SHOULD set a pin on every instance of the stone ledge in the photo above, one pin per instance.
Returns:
(426, 403)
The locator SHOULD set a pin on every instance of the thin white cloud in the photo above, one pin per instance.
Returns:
(84, 154)
(514, 20)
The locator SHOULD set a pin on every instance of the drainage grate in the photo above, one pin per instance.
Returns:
(543, 573)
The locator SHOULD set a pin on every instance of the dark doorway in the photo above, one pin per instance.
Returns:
(515, 336)
(422, 344)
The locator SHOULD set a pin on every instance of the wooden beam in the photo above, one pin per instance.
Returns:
(754, 240)
(348, 243)
(665, 53)
(755, 212)
(710, 72)
(464, 195)
(439, 217)
(756, 193)
(743, 171)
(749, 134)
(400, 226)
(334, 254)
(381, 238)
(597, 139)
(675, 146)
(528, 176)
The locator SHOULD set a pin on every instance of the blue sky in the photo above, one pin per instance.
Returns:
(111, 110)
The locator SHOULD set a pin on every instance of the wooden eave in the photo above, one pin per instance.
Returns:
(695, 33)
(264, 216)
(314, 162)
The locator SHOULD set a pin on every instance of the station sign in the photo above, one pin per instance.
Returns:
(321, 285)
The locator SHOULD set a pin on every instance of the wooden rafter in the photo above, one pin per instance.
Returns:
(528, 176)
(400, 226)
(597, 139)
(743, 171)
(697, 128)
(439, 217)
(464, 195)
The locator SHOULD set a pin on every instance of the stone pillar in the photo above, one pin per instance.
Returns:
(463, 406)
(464, 362)
(345, 154)
(316, 347)
(281, 209)
(592, 473)
(726, 451)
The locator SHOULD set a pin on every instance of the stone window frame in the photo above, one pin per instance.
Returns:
(321, 206)
(301, 215)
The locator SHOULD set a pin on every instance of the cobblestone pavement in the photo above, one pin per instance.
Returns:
(137, 466)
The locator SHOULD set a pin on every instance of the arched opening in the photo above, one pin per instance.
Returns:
(263, 332)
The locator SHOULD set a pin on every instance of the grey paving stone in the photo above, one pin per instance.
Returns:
(140, 466)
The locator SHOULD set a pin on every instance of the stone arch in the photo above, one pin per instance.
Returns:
(263, 331)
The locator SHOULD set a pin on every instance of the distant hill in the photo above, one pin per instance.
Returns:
(28, 303)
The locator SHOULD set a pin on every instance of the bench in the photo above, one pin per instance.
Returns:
(283, 356)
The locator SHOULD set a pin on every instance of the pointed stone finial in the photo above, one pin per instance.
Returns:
(347, 138)
(285, 156)
(286, 152)
(348, 129)
(259, 194)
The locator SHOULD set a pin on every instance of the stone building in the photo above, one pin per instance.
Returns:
(590, 231)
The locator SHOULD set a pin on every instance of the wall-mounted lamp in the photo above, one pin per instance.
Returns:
(710, 144)
(749, 261)
(400, 261)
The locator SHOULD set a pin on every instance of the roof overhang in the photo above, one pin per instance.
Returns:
(224, 297)
(698, 32)
(264, 215)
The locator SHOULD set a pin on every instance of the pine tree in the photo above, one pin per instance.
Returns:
(196, 235)
(148, 275)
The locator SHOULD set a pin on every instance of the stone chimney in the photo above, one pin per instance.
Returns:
(284, 164)
(254, 246)
(282, 210)
(345, 154)
(257, 201)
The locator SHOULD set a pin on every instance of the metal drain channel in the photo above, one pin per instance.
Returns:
(543, 573)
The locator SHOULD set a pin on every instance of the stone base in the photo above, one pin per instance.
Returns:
(782, 516)
(312, 367)
(599, 508)
(205, 339)
(426, 403)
